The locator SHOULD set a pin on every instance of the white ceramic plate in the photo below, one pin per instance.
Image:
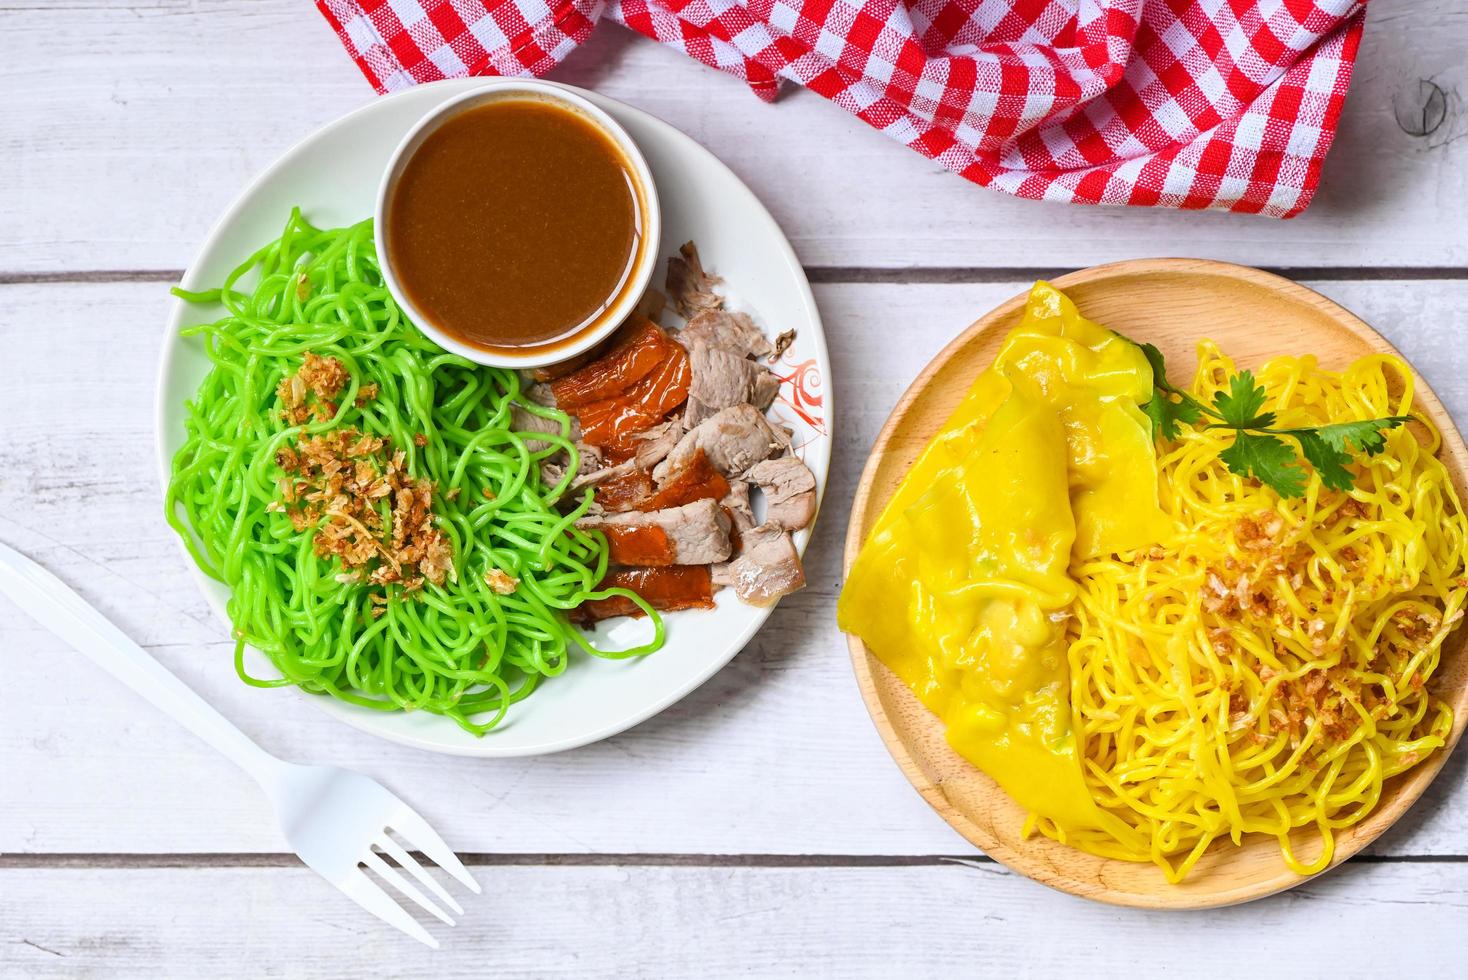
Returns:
(333, 177)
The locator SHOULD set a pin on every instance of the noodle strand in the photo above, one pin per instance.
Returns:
(460, 649)
(1267, 670)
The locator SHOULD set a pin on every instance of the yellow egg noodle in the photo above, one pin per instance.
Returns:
(1268, 669)
(1147, 653)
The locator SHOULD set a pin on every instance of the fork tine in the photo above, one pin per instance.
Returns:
(388, 874)
(371, 897)
(415, 830)
(405, 860)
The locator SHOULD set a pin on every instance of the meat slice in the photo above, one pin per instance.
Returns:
(615, 423)
(540, 394)
(627, 490)
(666, 589)
(694, 534)
(767, 568)
(639, 544)
(790, 491)
(592, 469)
(689, 287)
(728, 329)
(741, 515)
(633, 489)
(638, 349)
(524, 421)
(736, 502)
(696, 480)
(722, 379)
(734, 440)
(653, 445)
(589, 465)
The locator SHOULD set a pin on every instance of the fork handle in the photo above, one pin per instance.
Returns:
(55, 606)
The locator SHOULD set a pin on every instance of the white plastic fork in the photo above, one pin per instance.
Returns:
(337, 821)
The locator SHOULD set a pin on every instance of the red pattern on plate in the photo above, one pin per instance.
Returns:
(800, 391)
(1228, 104)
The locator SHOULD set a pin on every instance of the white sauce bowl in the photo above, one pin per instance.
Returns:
(650, 215)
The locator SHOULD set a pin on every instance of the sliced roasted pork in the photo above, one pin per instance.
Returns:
(616, 424)
(690, 288)
(523, 420)
(540, 394)
(693, 534)
(728, 329)
(666, 589)
(653, 445)
(736, 502)
(767, 568)
(593, 472)
(734, 440)
(624, 491)
(722, 379)
(633, 488)
(628, 391)
(672, 433)
(790, 491)
(637, 350)
(696, 479)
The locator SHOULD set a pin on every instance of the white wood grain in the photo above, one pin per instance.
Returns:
(130, 125)
(127, 127)
(1362, 921)
(774, 755)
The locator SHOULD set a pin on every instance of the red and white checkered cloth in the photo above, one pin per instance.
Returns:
(1228, 104)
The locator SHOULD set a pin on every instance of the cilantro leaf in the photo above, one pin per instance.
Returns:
(1328, 459)
(1329, 447)
(1257, 451)
(1240, 405)
(1167, 415)
(1267, 459)
(1366, 436)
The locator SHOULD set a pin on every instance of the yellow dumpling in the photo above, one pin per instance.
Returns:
(963, 585)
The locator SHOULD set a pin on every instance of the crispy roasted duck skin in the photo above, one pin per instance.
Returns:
(666, 589)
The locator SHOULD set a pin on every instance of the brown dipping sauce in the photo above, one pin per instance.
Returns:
(516, 224)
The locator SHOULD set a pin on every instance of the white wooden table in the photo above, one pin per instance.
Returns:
(757, 827)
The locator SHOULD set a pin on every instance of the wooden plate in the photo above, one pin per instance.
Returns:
(1172, 303)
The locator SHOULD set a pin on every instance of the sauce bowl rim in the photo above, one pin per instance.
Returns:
(632, 290)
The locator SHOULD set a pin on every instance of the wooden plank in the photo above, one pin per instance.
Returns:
(671, 922)
(124, 141)
(88, 768)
